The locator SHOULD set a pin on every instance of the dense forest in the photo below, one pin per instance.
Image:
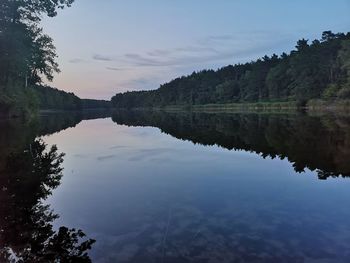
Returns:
(28, 57)
(51, 98)
(316, 70)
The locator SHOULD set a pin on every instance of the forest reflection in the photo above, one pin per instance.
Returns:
(29, 172)
(319, 142)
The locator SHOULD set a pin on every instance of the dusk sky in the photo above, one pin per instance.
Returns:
(112, 46)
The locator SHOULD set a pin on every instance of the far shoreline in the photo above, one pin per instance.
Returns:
(313, 106)
(290, 106)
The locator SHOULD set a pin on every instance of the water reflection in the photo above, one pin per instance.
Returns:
(319, 142)
(159, 199)
(29, 172)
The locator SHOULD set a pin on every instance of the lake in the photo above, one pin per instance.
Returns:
(153, 186)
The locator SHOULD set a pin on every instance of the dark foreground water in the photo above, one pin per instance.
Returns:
(176, 187)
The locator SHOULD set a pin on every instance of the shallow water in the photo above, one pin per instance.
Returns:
(195, 187)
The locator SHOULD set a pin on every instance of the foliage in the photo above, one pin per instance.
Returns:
(26, 53)
(319, 69)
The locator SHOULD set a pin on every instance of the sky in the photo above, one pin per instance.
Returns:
(111, 46)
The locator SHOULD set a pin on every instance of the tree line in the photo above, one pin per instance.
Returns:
(316, 70)
(51, 98)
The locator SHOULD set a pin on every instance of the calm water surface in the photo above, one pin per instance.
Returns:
(189, 187)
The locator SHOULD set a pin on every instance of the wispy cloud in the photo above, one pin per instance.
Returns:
(186, 49)
(150, 68)
(141, 83)
(117, 147)
(196, 49)
(216, 38)
(159, 52)
(114, 69)
(77, 60)
(210, 49)
(140, 60)
(106, 157)
(102, 57)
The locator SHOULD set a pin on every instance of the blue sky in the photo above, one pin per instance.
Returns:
(112, 46)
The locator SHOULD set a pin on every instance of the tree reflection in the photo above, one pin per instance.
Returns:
(26, 225)
(320, 143)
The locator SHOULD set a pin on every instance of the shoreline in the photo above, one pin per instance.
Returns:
(313, 106)
(278, 107)
(28, 116)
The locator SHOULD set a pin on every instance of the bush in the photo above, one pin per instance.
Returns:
(330, 92)
(344, 93)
